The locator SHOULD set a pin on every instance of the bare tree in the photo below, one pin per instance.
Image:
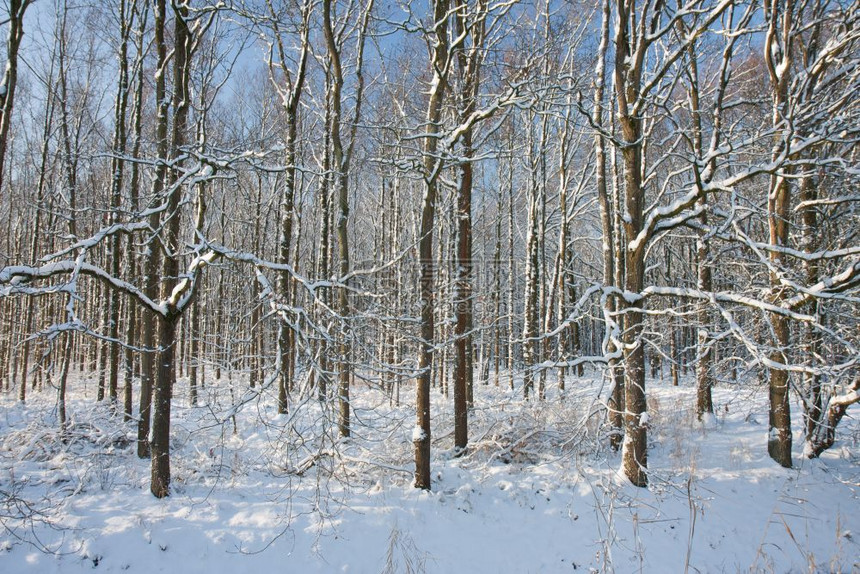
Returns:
(469, 60)
(289, 82)
(120, 138)
(341, 158)
(609, 232)
(15, 19)
(778, 55)
(439, 62)
(636, 32)
(705, 351)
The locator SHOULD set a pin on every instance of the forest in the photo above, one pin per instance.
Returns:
(346, 245)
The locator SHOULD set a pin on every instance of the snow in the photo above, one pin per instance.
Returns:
(417, 434)
(535, 492)
(709, 421)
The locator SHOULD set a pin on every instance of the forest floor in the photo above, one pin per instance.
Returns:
(254, 491)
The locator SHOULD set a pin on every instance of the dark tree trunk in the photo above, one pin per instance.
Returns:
(469, 67)
(10, 77)
(628, 70)
(161, 400)
(153, 259)
(165, 374)
(421, 433)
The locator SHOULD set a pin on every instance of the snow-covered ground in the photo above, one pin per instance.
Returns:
(535, 493)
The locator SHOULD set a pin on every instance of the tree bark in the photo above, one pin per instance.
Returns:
(341, 158)
(161, 400)
(10, 75)
(629, 60)
(615, 403)
(165, 376)
(432, 167)
(153, 255)
(118, 166)
(340, 179)
(778, 41)
(825, 432)
(469, 62)
(291, 97)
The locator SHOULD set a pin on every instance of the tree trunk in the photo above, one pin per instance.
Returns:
(62, 386)
(704, 352)
(167, 340)
(497, 290)
(291, 96)
(163, 389)
(194, 357)
(432, 167)
(341, 157)
(628, 70)
(133, 335)
(342, 194)
(118, 165)
(825, 432)
(512, 266)
(531, 303)
(615, 403)
(153, 259)
(705, 355)
(811, 345)
(469, 63)
(778, 40)
(10, 76)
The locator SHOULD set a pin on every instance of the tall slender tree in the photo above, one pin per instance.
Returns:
(432, 166)
(15, 19)
(778, 55)
(341, 159)
(289, 82)
(469, 59)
